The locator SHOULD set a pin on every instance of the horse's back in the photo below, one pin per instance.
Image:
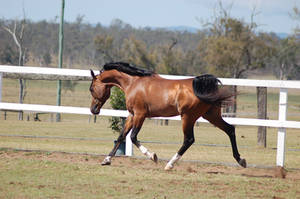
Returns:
(164, 97)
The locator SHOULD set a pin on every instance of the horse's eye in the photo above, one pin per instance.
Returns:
(91, 88)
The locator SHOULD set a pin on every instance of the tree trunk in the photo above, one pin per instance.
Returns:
(262, 114)
(21, 81)
(281, 74)
(18, 38)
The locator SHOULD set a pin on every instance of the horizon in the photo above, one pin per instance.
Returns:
(273, 16)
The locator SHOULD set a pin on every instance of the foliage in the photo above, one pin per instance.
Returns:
(117, 101)
(232, 47)
(8, 55)
(135, 51)
(104, 46)
(286, 61)
(228, 47)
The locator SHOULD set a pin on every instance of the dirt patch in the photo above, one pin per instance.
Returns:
(182, 166)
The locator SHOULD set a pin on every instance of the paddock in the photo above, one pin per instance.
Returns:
(74, 149)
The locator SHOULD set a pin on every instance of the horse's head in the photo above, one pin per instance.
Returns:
(100, 93)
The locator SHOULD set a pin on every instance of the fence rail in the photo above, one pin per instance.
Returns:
(76, 74)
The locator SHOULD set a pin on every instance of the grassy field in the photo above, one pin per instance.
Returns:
(167, 140)
(52, 174)
(56, 175)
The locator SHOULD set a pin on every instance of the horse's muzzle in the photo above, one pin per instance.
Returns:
(95, 109)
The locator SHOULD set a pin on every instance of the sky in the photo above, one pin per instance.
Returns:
(273, 15)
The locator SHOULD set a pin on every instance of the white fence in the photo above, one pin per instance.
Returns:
(281, 123)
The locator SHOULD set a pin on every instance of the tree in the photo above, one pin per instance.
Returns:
(104, 47)
(171, 58)
(232, 47)
(286, 58)
(17, 32)
(135, 51)
(8, 55)
(295, 14)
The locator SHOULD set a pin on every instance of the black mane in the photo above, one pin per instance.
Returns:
(127, 68)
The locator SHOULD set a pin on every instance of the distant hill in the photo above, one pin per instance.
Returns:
(190, 29)
(282, 35)
(183, 29)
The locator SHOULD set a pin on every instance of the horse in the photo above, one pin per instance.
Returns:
(149, 95)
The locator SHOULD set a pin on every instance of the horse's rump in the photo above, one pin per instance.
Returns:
(206, 89)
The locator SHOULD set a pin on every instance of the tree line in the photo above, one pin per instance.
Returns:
(226, 47)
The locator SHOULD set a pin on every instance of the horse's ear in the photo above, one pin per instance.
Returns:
(93, 74)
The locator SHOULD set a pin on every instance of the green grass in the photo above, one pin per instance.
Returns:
(38, 175)
(204, 134)
(52, 175)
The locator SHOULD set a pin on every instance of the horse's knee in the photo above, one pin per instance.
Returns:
(121, 138)
(133, 138)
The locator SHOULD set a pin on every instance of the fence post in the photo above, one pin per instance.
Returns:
(281, 131)
(0, 87)
(262, 114)
(128, 148)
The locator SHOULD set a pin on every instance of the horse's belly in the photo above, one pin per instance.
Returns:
(162, 111)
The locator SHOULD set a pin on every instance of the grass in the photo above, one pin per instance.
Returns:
(55, 175)
(171, 137)
(38, 175)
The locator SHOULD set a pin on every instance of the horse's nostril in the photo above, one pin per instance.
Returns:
(95, 109)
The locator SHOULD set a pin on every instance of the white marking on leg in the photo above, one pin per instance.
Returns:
(151, 156)
(173, 160)
(108, 158)
(106, 161)
(145, 151)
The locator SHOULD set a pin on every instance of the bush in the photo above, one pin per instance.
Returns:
(117, 101)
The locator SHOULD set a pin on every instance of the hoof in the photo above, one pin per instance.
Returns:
(243, 163)
(168, 167)
(154, 157)
(105, 162)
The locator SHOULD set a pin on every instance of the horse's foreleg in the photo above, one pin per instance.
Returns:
(121, 138)
(137, 124)
(143, 149)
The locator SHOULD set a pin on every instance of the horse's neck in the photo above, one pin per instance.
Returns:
(116, 78)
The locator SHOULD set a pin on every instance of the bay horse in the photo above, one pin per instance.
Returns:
(149, 95)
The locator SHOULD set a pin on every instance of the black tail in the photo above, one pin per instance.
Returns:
(206, 89)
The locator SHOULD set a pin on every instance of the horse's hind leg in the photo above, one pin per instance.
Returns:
(121, 138)
(215, 118)
(189, 139)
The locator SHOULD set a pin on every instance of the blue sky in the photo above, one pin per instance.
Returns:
(274, 14)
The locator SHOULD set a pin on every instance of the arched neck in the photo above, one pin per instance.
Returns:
(116, 78)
